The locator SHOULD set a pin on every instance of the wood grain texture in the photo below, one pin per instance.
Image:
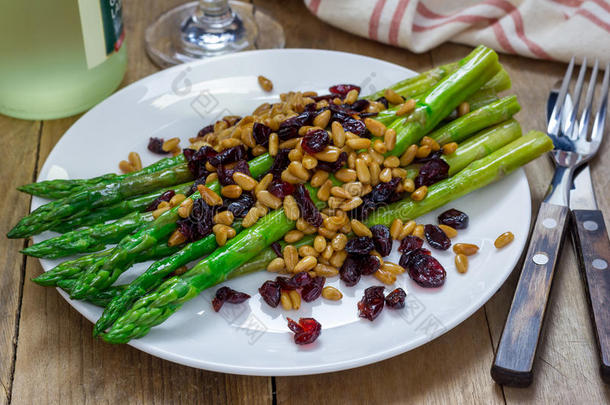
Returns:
(514, 361)
(593, 250)
(19, 141)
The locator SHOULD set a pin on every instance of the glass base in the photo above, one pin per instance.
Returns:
(180, 36)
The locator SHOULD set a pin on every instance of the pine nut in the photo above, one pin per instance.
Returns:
(354, 188)
(408, 185)
(185, 208)
(176, 238)
(220, 231)
(461, 262)
(297, 169)
(392, 268)
(385, 276)
(406, 108)
(351, 161)
(328, 252)
(134, 159)
(321, 120)
(231, 191)
(274, 144)
(423, 151)
(309, 162)
(407, 229)
(305, 227)
(264, 183)
(392, 96)
(362, 170)
(285, 300)
(360, 229)
(333, 223)
(327, 233)
(351, 204)
(419, 231)
(396, 228)
(307, 250)
(319, 243)
(250, 218)
(265, 83)
(339, 192)
(295, 299)
(358, 143)
(449, 231)
(339, 242)
(324, 270)
(288, 177)
(409, 155)
(389, 139)
(450, 148)
(467, 249)
(179, 271)
(346, 175)
(378, 256)
(463, 108)
(224, 218)
(291, 209)
(374, 170)
(379, 146)
(331, 293)
(351, 96)
(419, 194)
(244, 181)
(209, 195)
(426, 140)
(170, 144)
(126, 167)
(385, 175)
(330, 154)
(160, 210)
(323, 193)
(291, 257)
(212, 177)
(293, 236)
(338, 134)
(229, 143)
(295, 155)
(391, 162)
(375, 127)
(338, 258)
(504, 239)
(318, 178)
(176, 200)
(276, 265)
(268, 199)
(305, 264)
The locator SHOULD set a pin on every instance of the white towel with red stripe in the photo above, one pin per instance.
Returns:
(543, 29)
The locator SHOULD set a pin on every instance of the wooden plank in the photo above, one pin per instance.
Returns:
(56, 347)
(19, 141)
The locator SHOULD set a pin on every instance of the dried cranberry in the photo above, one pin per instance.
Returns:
(299, 280)
(396, 299)
(333, 167)
(372, 302)
(410, 243)
(454, 218)
(341, 90)
(432, 172)
(226, 294)
(404, 258)
(229, 155)
(308, 209)
(383, 101)
(280, 163)
(369, 264)
(163, 197)
(382, 239)
(240, 206)
(382, 193)
(313, 289)
(362, 245)
(315, 141)
(350, 271)
(360, 105)
(225, 173)
(436, 237)
(270, 291)
(199, 223)
(290, 128)
(260, 133)
(425, 270)
(280, 188)
(205, 130)
(306, 331)
(155, 145)
(196, 160)
(434, 155)
(277, 249)
(349, 123)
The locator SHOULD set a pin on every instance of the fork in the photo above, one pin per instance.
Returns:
(574, 145)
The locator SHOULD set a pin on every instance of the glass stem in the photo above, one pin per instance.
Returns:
(214, 9)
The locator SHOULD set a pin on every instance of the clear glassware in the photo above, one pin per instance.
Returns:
(207, 28)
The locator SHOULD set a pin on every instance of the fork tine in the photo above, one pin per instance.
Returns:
(586, 112)
(555, 120)
(571, 127)
(600, 117)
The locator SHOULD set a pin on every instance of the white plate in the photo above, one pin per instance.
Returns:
(252, 338)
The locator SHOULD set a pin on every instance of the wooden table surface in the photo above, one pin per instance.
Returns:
(47, 353)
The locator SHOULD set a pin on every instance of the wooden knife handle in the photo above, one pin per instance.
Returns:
(593, 250)
(514, 359)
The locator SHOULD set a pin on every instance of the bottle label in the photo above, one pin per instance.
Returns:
(102, 27)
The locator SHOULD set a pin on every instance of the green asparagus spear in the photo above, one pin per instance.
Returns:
(60, 188)
(117, 210)
(51, 214)
(101, 299)
(156, 307)
(90, 239)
